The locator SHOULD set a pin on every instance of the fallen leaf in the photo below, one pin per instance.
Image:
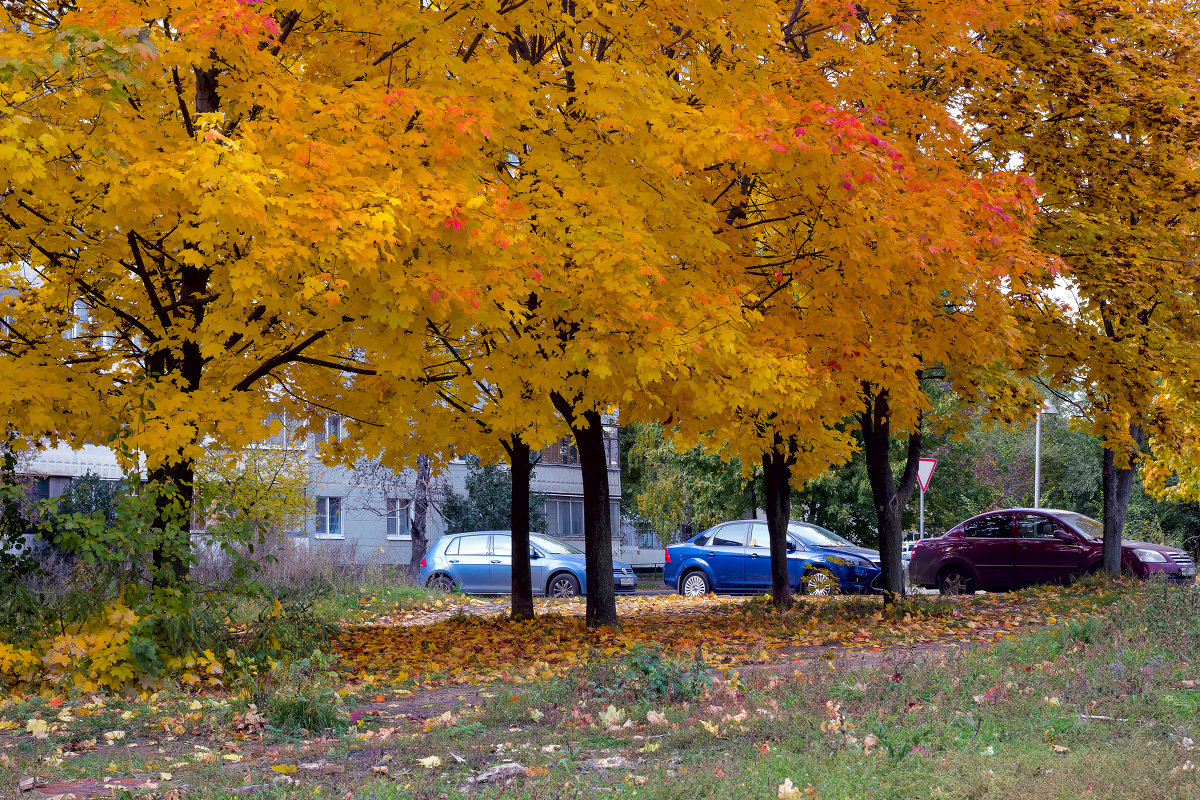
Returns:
(430, 762)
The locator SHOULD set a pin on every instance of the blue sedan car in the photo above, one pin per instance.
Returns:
(480, 562)
(736, 557)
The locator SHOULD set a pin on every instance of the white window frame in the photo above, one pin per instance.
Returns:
(322, 518)
(82, 315)
(397, 509)
(552, 526)
(278, 440)
(333, 428)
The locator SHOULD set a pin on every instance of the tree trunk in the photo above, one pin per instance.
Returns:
(751, 501)
(777, 477)
(173, 488)
(1118, 487)
(890, 498)
(419, 536)
(172, 483)
(597, 528)
(521, 461)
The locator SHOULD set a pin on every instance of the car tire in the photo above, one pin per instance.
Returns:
(694, 584)
(820, 583)
(955, 581)
(562, 586)
(441, 583)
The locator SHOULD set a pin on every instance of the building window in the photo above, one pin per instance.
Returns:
(564, 518)
(277, 426)
(570, 455)
(398, 524)
(612, 448)
(328, 519)
(82, 315)
(333, 428)
(41, 489)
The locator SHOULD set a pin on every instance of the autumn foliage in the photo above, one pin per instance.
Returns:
(490, 222)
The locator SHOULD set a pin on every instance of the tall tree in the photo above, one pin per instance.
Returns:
(1097, 105)
(287, 193)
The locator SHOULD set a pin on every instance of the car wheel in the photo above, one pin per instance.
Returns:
(820, 583)
(441, 583)
(694, 584)
(956, 581)
(563, 585)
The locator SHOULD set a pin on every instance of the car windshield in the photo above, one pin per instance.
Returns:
(554, 547)
(1090, 528)
(817, 536)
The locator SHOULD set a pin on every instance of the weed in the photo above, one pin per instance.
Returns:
(306, 710)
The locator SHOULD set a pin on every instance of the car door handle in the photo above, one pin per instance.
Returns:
(754, 555)
(497, 561)
(710, 553)
(453, 560)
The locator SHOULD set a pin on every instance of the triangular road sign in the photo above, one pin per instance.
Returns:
(924, 471)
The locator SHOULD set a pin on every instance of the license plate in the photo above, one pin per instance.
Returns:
(633, 581)
(1188, 572)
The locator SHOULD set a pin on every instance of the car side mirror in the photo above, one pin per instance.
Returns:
(1059, 533)
(791, 547)
(534, 554)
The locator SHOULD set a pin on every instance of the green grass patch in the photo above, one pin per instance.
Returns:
(1100, 704)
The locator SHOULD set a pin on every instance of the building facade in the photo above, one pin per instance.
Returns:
(366, 513)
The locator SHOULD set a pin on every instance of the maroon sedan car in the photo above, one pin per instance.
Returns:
(1018, 547)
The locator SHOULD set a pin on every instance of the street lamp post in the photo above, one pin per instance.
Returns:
(1046, 408)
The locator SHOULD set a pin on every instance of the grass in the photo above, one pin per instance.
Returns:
(1102, 705)
(337, 581)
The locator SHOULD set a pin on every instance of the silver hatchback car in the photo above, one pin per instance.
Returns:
(480, 562)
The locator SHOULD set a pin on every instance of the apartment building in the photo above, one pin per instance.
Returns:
(365, 512)
(369, 510)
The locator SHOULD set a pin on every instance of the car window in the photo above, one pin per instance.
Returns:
(501, 545)
(1090, 528)
(474, 545)
(994, 527)
(733, 535)
(452, 547)
(818, 536)
(702, 540)
(760, 535)
(1034, 526)
(554, 546)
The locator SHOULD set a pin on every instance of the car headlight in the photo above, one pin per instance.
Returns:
(1149, 556)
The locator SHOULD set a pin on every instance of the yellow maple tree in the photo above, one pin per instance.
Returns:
(1098, 105)
(207, 207)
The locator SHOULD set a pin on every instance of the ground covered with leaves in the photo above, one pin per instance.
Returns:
(1088, 692)
(474, 644)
